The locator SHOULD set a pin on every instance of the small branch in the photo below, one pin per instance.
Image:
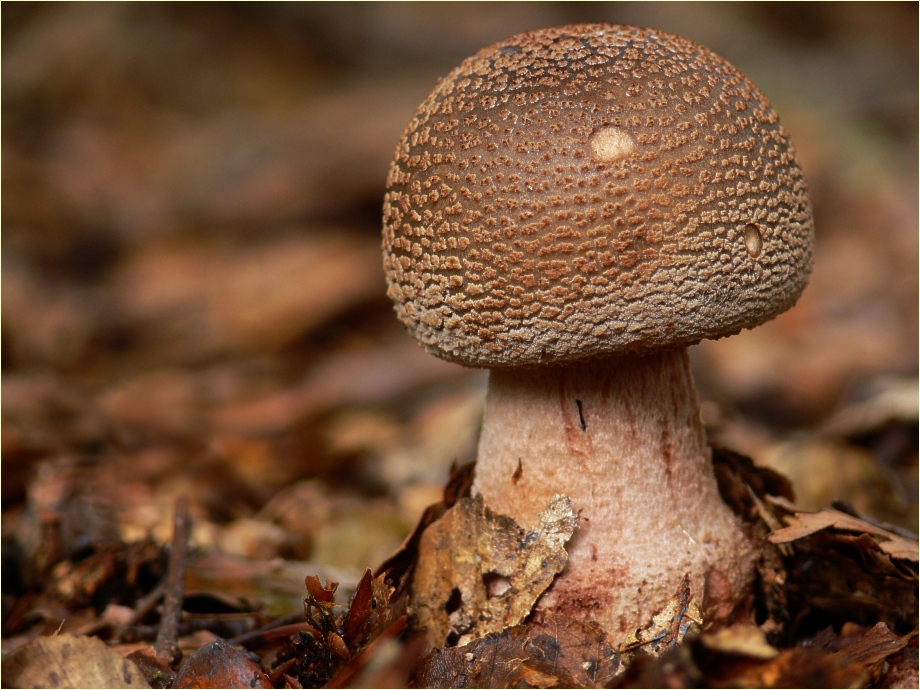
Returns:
(166, 645)
(145, 605)
(253, 635)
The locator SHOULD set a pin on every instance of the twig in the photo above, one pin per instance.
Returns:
(145, 605)
(252, 635)
(166, 645)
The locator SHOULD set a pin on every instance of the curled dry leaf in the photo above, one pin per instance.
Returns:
(220, 665)
(669, 627)
(742, 640)
(374, 609)
(902, 671)
(479, 572)
(841, 567)
(69, 661)
(803, 524)
(877, 644)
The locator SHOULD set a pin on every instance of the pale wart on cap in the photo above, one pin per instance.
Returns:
(592, 190)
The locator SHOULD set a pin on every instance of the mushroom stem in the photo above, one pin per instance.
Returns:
(622, 437)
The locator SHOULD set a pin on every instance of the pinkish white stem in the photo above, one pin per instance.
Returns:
(622, 437)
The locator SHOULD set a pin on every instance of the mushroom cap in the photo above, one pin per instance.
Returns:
(592, 190)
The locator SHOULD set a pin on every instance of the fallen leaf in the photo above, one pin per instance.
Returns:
(743, 640)
(68, 661)
(836, 576)
(698, 663)
(579, 652)
(877, 644)
(803, 524)
(220, 665)
(479, 572)
(893, 399)
(493, 661)
(372, 611)
(213, 297)
(557, 652)
(319, 604)
(902, 669)
(362, 605)
(796, 668)
(679, 617)
(399, 567)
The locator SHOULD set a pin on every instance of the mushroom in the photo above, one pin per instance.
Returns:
(571, 208)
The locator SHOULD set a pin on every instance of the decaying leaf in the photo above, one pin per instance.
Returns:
(794, 668)
(743, 640)
(373, 611)
(399, 567)
(902, 671)
(220, 665)
(557, 652)
(157, 673)
(876, 644)
(742, 483)
(669, 627)
(69, 661)
(480, 573)
(740, 657)
(579, 653)
(803, 524)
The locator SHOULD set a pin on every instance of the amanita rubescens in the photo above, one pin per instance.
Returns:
(571, 208)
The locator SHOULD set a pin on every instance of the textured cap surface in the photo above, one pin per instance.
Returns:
(589, 190)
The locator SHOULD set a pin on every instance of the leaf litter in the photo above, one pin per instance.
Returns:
(192, 305)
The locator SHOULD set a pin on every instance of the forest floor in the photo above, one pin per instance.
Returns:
(194, 321)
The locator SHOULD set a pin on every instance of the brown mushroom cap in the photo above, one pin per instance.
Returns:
(592, 190)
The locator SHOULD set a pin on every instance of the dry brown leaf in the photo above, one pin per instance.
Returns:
(493, 661)
(876, 645)
(211, 298)
(743, 640)
(669, 626)
(718, 661)
(479, 572)
(798, 668)
(557, 652)
(891, 399)
(899, 547)
(836, 576)
(578, 652)
(902, 671)
(220, 665)
(803, 524)
(68, 661)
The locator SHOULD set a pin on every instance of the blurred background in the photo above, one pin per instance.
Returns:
(193, 300)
